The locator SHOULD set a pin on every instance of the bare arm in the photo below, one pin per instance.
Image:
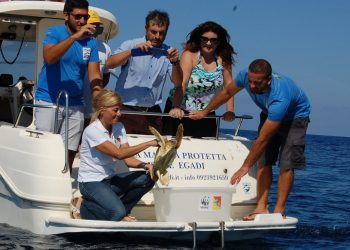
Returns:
(95, 79)
(120, 58)
(53, 52)
(267, 131)
(132, 162)
(229, 115)
(222, 97)
(176, 74)
(186, 64)
(126, 151)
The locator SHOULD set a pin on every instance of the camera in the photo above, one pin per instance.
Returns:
(97, 31)
(151, 51)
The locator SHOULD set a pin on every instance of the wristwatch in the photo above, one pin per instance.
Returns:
(177, 62)
(143, 165)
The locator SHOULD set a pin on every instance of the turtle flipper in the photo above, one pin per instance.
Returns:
(179, 135)
(164, 179)
(158, 136)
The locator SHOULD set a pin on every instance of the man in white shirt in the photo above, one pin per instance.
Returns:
(104, 51)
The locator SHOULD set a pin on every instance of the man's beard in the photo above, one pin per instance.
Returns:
(71, 28)
(257, 92)
(157, 42)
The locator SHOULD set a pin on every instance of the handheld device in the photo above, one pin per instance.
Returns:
(158, 51)
(139, 52)
(151, 51)
(98, 30)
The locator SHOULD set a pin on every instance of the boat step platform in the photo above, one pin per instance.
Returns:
(58, 225)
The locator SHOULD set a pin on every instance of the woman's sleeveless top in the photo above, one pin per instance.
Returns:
(202, 86)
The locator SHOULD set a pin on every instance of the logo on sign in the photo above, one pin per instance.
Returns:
(216, 202)
(246, 187)
(205, 201)
(210, 203)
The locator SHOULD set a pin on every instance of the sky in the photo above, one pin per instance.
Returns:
(305, 40)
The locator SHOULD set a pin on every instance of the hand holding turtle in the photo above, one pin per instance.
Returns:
(165, 154)
(149, 167)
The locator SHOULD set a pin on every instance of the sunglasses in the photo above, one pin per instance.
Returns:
(79, 16)
(205, 40)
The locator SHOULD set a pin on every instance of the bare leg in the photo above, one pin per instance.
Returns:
(75, 207)
(71, 156)
(285, 184)
(264, 180)
(78, 200)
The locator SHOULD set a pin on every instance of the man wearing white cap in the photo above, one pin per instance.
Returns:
(104, 51)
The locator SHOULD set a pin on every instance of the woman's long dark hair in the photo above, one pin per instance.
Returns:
(223, 49)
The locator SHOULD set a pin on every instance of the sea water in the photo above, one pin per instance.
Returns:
(320, 199)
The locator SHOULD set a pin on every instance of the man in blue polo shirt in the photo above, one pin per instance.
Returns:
(145, 63)
(69, 52)
(283, 123)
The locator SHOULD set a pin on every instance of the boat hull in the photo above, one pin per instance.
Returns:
(35, 194)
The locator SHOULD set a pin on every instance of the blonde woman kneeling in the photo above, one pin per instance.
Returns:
(106, 194)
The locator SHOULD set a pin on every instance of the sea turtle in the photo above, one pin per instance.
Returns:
(166, 153)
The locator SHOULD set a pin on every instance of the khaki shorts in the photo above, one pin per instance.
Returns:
(45, 119)
(287, 145)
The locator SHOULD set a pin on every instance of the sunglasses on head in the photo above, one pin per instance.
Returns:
(80, 16)
(205, 40)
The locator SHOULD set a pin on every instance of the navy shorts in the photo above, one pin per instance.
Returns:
(287, 145)
(138, 124)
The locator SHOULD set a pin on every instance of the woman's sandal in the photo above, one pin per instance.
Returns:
(74, 211)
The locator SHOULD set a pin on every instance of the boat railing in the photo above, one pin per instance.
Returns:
(216, 117)
(57, 126)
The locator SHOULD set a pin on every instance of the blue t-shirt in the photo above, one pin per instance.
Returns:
(142, 78)
(283, 101)
(69, 71)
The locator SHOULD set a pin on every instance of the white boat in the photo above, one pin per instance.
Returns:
(36, 188)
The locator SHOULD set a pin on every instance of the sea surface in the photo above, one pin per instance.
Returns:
(320, 199)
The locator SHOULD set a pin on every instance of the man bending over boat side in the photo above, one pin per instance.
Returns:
(106, 194)
(283, 123)
(70, 50)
